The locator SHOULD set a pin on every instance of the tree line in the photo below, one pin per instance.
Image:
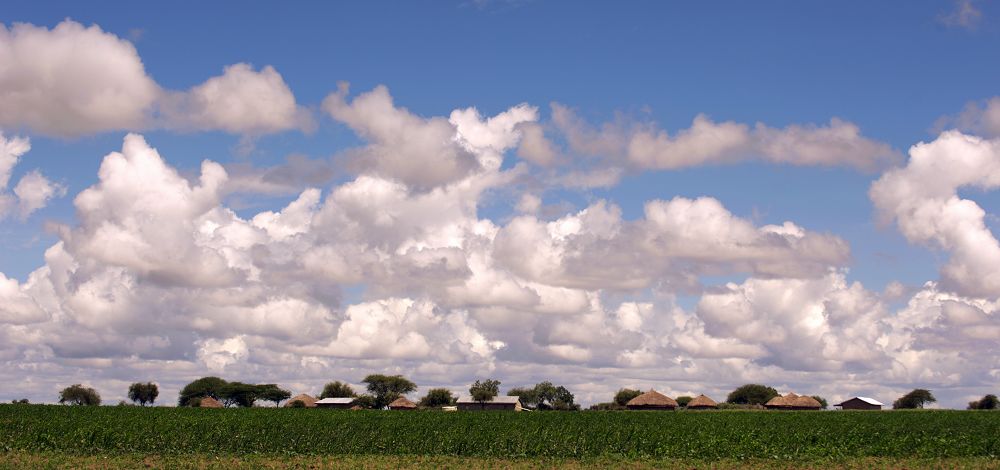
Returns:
(381, 390)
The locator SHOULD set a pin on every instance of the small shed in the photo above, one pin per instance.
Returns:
(335, 403)
(860, 403)
(652, 400)
(308, 400)
(499, 403)
(209, 402)
(402, 403)
(791, 401)
(701, 402)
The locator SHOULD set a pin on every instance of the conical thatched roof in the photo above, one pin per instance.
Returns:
(791, 400)
(305, 398)
(209, 402)
(652, 398)
(806, 402)
(402, 403)
(701, 401)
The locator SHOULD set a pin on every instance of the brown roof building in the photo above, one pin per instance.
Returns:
(335, 403)
(701, 402)
(860, 403)
(402, 403)
(497, 403)
(652, 400)
(793, 402)
(308, 400)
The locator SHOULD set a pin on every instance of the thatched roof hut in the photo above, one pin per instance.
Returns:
(209, 402)
(652, 400)
(791, 401)
(308, 400)
(701, 402)
(402, 403)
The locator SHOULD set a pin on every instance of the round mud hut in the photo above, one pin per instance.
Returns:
(652, 400)
(701, 402)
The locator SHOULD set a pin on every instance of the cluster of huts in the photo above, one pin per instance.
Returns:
(651, 400)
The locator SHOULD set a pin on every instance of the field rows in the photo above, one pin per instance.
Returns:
(676, 435)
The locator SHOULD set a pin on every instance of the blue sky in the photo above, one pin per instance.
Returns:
(901, 73)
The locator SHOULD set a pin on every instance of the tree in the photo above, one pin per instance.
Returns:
(143, 393)
(365, 401)
(386, 388)
(624, 395)
(203, 387)
(337, 390)
(272, 392)
(23, 401)
(822, 401)
(239, 394)
(298, 404)
(989, 402)
(79, 395)
(484, 391)
(437, 397)
(606, 406)
(917, 398)
(545, 396)
(529, 396)
(751, 394)
(683, 401)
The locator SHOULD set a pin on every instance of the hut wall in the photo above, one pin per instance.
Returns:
(651, 407)
(487, 407)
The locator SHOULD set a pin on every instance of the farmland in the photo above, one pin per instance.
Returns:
(723, 436)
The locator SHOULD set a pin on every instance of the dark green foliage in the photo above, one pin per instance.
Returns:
(989, 402)
(337, 390)
(683, 401)
(143, 393)
(751, 394)
(624, 395)
(298, 404)
(738, 435)
(203, 387)
(822, 401)
(239, 394)
(273, 393)
(612, 406)
(545, 396)
(79, 395)
(23, 401)
(365, 401)
(386, 388)
(915, 399)
(437, 397)
(484, 391)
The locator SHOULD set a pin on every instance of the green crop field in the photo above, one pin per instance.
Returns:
(724, 436)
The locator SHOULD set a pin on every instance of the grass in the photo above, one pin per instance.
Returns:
(20, 460)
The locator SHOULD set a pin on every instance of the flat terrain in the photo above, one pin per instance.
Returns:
(127, 437)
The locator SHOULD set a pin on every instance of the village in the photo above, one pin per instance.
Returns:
(389, 392)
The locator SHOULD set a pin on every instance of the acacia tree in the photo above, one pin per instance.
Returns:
(337, 390)
(484, 391)
(917, 398)
(143, 393)
(683, 401)
(545, 396)
(272, 392)
(239, 394)
(751, 394)
(201, 388)
(386, 388)
(437, 397)
(77, 394)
